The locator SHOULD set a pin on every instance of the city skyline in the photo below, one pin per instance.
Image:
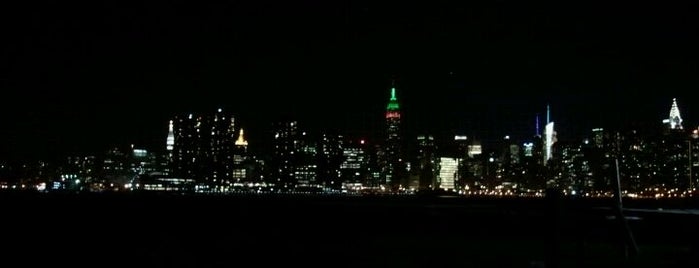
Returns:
(207, 153)
(349, 133)
(83, 82)
(371, 128)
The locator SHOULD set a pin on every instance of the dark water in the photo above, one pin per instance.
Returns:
(254, 231)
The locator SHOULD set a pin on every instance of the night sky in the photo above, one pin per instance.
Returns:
(81, 77)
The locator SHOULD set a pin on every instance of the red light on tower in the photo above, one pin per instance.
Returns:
(392, 115)
(361, 141)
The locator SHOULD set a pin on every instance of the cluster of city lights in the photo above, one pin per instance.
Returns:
(356, 189)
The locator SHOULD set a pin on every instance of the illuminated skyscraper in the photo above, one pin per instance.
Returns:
(170, 138)
(393, 141)
(240, 170)
(548, 141)
(676, 151)
(549, 136)
(448, 168)
(674, 121)
(354, 167)
(169, 146)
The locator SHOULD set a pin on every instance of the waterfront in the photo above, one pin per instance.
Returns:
(408, 231)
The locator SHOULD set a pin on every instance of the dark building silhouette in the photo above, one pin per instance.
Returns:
(286, 143)
(203, 149)
(426, 162)
(330, 157)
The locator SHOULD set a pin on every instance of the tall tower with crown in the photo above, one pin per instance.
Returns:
(241, 141)
(393, 139)
(674, 121)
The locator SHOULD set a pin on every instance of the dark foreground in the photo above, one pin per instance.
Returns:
(254, 231)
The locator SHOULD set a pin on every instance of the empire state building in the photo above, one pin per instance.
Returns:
(393, 140)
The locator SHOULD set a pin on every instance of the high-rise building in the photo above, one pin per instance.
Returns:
(166, 165)
(170, 143)
(549, 139)
(427, 162)
(354, 166)
(330, 158)
(286, 142)
(184, 157)
(448, 168)
(694, 157)
(462, 143)
(116, 171)
(222, 147)
(549, 136)
(295, 160)
(392, 170)
(570, 168)
(674, 153)
(240, 156)
(144, 162)
(377, 165)
(203, 149)
(512, 154)
(533, 174)
(306, 164)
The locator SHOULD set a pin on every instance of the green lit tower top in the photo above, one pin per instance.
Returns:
(393, 102)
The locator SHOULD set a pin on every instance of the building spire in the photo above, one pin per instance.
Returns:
(537, 125)
(393, 102)
(548, 113)
(241, 139)
(675, 118)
